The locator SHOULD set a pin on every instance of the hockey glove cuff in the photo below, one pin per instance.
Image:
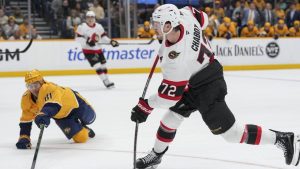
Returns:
(23, 142)
(141, 111)
(114, 43)
(42, 119)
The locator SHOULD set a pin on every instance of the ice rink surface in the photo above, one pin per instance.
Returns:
(268, 98)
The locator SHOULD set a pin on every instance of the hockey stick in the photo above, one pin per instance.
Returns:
(137, 123)
(37, 147)
(17, 51)
(148, 43)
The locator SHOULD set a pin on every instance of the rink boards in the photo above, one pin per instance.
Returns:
(64, 57)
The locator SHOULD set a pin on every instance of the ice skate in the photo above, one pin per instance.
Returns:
(290, 145)
(108, 84)
(150, 161)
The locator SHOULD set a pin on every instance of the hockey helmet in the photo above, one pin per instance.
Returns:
(90, 14)
(165, 13)
(33, 76)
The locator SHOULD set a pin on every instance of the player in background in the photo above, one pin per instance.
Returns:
(89, 35)
(45, 100)
(187, 60)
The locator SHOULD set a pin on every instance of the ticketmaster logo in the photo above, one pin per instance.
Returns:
(77, 55)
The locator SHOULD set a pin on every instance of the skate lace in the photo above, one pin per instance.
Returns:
(149, 158)
(281, 145)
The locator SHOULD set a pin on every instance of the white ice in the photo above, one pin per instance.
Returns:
(267, 98)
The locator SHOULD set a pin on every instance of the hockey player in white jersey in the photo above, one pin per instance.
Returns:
(193, 78)
(89, 35)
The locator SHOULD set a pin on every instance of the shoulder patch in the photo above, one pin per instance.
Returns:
(173, 54)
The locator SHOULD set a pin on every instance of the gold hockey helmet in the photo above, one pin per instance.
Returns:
(33, 76)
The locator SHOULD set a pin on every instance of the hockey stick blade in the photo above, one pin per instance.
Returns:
(17, 51)
(148, 43)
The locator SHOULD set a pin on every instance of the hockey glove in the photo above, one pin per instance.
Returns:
(228, 35)
(114, 43)
(276, 36)
(42, 119)
(24, 142)
(90, 42)
(141, 111)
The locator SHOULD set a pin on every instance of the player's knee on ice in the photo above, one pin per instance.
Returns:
(82, 136)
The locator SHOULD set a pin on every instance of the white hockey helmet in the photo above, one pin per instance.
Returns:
(90, 14)
(165, 13)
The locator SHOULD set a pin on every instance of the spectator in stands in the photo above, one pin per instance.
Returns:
(65, 8)
(34, 34)
(72, 22)
(239, 8)
(19, 18)
(25, 27)
(79, 10)
(16, 36)
(295, 30)
(213, 21)
(2, 35)
(145, 31)
(282, 4)
(209, 31)
(292, 15)
(11, 27)
(260, 4)
(227, 29)
(219, 11)
(281, 29)
(3, 18)
(267, 30)
(280, 14)
(99, 11)
(250, 30)
(56, 7)
(269, 15)
(250, 14)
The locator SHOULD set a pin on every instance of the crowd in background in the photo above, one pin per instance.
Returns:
(227, 18)
(16, 26)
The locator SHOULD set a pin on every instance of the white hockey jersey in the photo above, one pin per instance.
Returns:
(181, 60)
(84, 31)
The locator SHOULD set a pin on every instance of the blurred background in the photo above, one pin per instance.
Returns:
(58, 19)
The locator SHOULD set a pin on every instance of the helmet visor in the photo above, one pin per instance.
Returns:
(154, 24)
(33, 86)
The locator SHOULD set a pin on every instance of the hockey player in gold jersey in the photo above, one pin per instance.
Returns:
(44, 100)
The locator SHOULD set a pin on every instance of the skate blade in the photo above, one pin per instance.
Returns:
(296, 157)
(110, 87)
(152, 167)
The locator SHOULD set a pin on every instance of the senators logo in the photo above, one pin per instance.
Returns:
(173, 54)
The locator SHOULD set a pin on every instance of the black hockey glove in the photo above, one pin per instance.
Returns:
(42, 119)
(114, 43)
(276, 36)
(24, 142)
(90, 42)
(141, 111)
